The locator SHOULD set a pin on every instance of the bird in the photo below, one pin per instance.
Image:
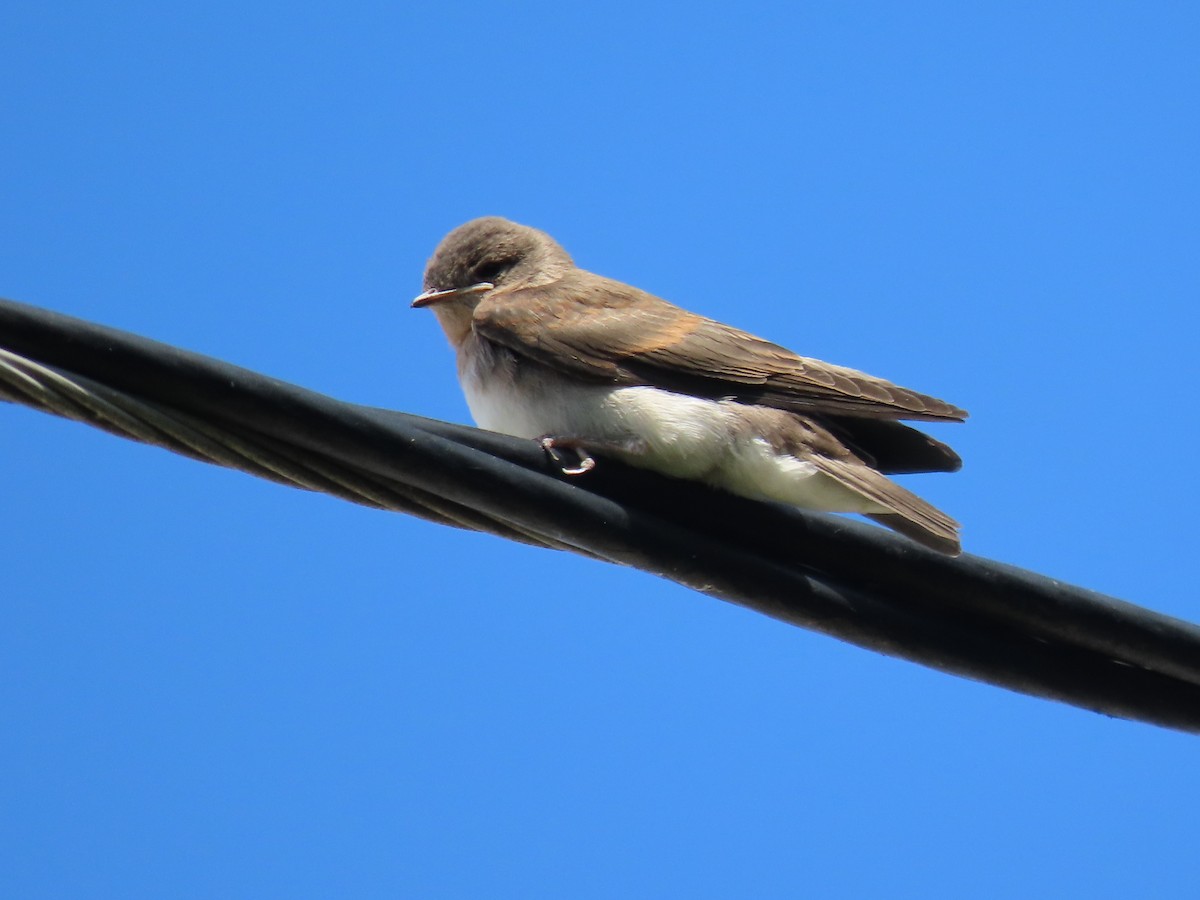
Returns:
(586, 364)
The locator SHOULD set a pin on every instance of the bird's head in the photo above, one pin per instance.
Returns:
(482, 256)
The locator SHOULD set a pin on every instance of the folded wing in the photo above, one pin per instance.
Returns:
(619, 334)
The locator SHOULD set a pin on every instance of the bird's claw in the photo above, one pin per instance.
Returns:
(552, 445)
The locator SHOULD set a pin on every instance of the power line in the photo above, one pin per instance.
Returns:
(970, 616)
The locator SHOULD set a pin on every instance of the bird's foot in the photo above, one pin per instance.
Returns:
(552, 445)
(622, 449)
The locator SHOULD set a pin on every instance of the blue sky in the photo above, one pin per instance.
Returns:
(214, 686)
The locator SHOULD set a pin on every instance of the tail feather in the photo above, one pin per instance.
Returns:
(942, 541)
(903, 511)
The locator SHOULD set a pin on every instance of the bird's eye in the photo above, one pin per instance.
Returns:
(490, 270)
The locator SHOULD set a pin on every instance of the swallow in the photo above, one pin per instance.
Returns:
(580, 362)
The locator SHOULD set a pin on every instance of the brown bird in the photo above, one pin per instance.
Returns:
(547, 350)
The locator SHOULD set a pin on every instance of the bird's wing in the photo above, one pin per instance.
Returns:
(616, 333)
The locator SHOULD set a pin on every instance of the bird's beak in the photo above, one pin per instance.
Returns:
(429, 298)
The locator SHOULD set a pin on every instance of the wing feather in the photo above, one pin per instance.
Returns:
(617, 333)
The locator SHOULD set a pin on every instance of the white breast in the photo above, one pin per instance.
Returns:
(684, 436)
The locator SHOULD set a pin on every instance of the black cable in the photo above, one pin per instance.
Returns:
(969, 616)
